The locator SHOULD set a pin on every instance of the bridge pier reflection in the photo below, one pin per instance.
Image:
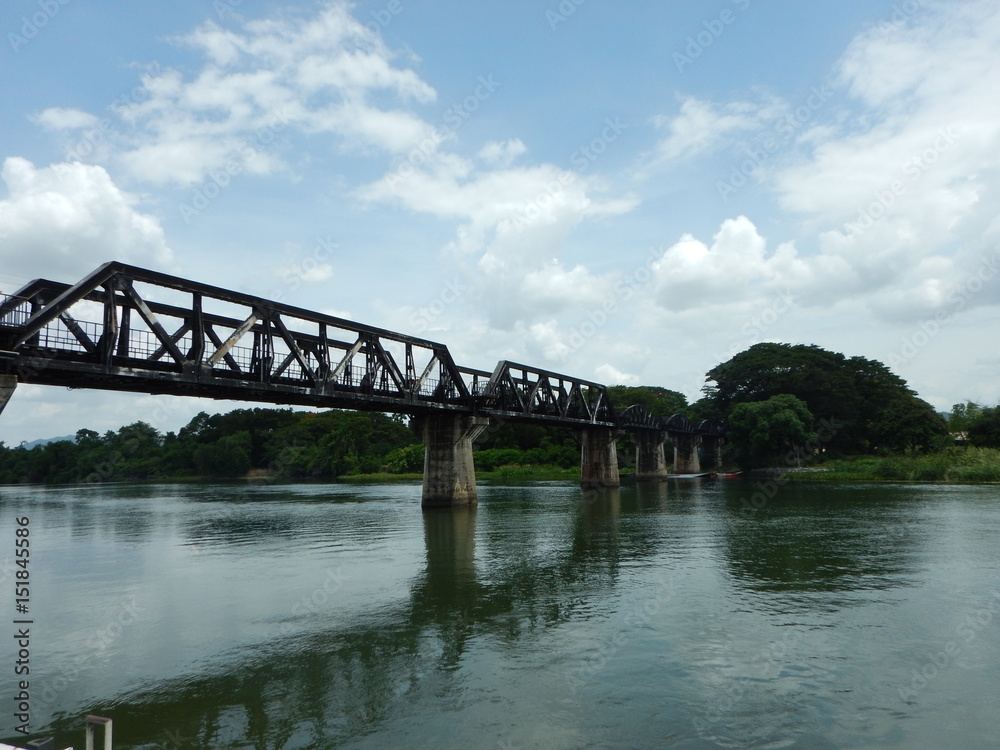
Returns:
(449, 473)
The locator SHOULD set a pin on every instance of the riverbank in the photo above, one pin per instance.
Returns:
(957, 465)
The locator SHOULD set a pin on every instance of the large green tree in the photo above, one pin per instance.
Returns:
(861, 405)
(775, 432)
(963, 416)
(984, 429)
(660, 401)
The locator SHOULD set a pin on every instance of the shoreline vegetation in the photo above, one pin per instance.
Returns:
(957, 465)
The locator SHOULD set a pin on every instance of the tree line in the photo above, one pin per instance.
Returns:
(781, 403)
(278, 443)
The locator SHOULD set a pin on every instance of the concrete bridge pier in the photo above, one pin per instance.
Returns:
(598, 457)
(7, 385)
(711, 451)
(650, 455)
(686, 453)
(449, 473)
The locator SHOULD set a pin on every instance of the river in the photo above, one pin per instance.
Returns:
(678, 615)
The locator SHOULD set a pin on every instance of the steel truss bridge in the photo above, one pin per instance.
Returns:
(132, 329)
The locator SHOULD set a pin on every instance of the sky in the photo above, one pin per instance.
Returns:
(627, 192)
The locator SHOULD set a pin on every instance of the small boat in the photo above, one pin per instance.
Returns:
(688, 476)
(727, 475)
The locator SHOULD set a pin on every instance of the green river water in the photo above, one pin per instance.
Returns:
(673, 615)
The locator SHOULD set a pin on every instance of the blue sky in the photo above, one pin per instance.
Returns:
(627, 192)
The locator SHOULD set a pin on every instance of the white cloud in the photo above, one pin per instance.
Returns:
(735, 269)
(516, 222)
(501, 153)
(325, 74)
(702, 126)
(610, 375)
(893, 182)
(305, 273)
(58, 118)
(64, 220)
(904, 191)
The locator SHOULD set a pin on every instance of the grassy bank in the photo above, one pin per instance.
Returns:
(960, 465)
(527, 472)
(513, 473)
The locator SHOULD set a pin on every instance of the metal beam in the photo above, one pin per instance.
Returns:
(233, 339)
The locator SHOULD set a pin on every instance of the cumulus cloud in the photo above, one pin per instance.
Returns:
(735, 268)
(59, 118)
(515, 223)
(905, 191)
(64, 220)
(892, 172)
(325, 74)
(611, 375)
(701, 125)
(502, 153)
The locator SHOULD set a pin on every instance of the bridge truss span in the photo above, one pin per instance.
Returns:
(517, 391)
(131, 329)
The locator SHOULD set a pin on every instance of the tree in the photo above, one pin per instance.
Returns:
(908, 425)
(866, 406)
(228, 456)
(984, 430)
(963, 416)
(660, 401)
(767, 433)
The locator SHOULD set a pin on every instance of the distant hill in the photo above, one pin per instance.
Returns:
(46, 441)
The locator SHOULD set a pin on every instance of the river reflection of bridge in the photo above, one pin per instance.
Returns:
(519, 570)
